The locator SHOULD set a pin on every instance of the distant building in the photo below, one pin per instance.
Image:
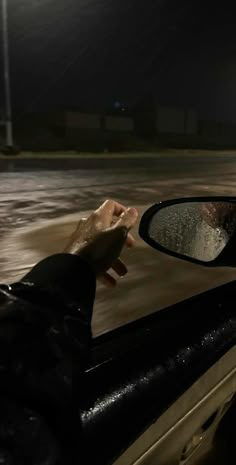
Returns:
(119, 124)
(176, 120)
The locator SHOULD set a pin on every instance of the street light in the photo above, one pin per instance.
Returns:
(7, 86)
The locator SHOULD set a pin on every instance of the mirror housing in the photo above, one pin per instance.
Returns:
(201, 230)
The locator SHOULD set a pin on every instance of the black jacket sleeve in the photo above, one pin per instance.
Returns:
(45, 333)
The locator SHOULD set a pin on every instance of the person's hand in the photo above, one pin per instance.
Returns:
(219, 214)
(100, 238)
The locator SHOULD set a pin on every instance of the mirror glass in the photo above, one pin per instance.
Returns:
(198, 230)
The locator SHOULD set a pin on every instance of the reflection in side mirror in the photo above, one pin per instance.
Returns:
(198, 230)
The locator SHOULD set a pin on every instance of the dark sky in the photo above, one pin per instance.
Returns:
(94, 52)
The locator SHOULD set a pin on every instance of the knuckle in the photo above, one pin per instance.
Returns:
(109, 202)
(94, 215)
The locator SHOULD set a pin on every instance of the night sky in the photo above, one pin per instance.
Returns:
(91, 53)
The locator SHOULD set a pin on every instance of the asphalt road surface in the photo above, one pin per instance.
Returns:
(38, 211)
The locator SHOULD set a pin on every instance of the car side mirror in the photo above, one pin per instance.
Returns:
(199, 229)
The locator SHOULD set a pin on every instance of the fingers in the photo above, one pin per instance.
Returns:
(119, 267)
(130, 241)
(108, 210)
(127, 219)
(107, 280)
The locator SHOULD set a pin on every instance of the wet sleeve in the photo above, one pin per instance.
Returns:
(45, 332)
(67, 276)
(64, 285)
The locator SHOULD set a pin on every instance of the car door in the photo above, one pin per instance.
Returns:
(157, 389)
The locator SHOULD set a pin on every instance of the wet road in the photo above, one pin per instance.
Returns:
(38, 211)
